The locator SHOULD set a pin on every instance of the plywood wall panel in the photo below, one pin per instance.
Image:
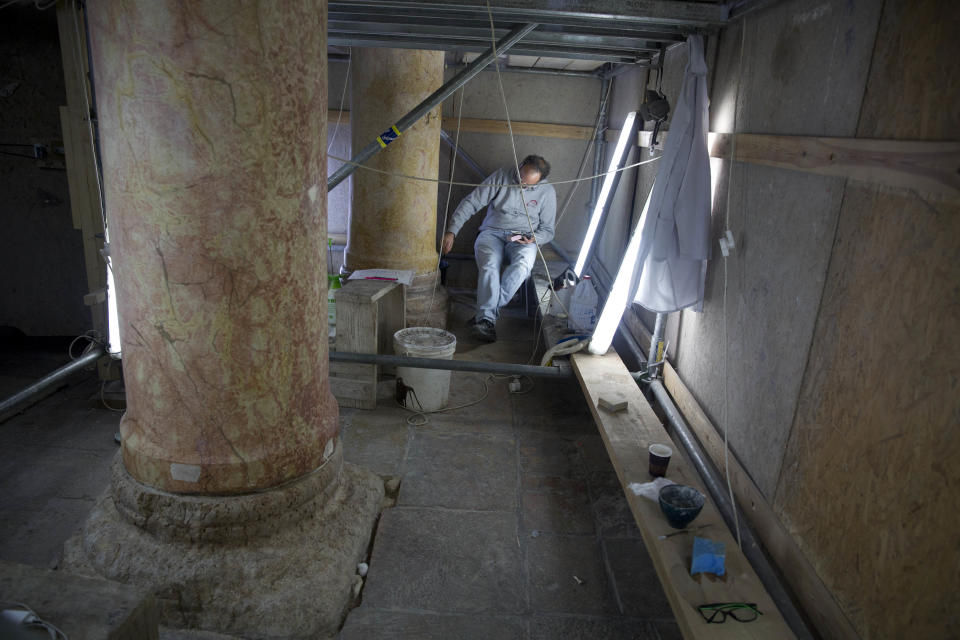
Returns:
(870, 485)
(871, 480)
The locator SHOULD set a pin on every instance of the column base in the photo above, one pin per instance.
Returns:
(426, 308)
(234, 564)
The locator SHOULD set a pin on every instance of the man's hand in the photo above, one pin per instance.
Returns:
(526, 240)
(447, 243)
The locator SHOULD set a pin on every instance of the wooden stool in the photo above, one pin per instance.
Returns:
(369, 312)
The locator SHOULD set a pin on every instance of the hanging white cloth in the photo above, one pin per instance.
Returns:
(675, 226)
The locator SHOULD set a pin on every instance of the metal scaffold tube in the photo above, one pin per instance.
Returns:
(20, 399)
(452, 365)
(429, 103)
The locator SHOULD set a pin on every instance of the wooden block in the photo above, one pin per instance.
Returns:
(612, 406)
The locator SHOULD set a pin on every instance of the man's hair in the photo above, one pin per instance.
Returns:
(537, 162)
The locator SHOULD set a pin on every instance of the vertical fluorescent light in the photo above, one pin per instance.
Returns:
(604, 192)
(113, 316)
(620, 292)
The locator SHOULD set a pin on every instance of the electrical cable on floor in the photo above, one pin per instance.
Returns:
(419, 417)
(20, 615)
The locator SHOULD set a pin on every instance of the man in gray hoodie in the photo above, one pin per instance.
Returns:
(521, 210)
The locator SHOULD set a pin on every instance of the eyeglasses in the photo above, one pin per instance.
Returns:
(717, 612)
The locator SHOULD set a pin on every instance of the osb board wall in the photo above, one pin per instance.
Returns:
(871, 481)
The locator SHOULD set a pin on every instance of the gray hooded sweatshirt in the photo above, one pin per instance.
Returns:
(505, 209)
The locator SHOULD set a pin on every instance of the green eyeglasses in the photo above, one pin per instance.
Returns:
(717, 612)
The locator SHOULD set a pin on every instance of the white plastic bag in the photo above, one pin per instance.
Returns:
(583, 307)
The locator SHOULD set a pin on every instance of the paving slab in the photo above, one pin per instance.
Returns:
(374, 443)
(368, 623)
(552, 512)
(490, 397)
(476, 424)
(552, 563)
(446, 561)
(35, 536)
(635, 578)
(52, 473)
(548, 455)
(612, 511)
(582, 628)
(460, 472)
(83, 608)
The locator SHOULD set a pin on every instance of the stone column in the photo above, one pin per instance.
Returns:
(213, 132)
(393, 221)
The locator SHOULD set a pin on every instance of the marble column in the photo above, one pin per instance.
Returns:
(212, 120)
(213, 132)
(393, 221)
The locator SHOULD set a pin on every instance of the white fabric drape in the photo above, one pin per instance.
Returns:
(675, 227)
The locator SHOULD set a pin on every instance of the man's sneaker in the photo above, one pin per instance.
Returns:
(484, 331)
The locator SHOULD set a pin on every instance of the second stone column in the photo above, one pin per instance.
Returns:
(393, 220)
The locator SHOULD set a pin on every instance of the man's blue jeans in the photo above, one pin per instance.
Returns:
(494, 290)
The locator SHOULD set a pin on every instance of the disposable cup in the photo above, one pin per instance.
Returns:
(659, 459)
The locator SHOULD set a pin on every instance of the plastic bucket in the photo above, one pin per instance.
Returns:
(431, 387)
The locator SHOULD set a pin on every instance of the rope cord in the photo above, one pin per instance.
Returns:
(407, 176)
(343, 94)
(446, 208)
(586, 152)
(726, 401)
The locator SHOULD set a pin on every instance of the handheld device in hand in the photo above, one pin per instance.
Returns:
(517, 236)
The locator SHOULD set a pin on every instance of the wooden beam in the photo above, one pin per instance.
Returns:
(817, 601)
(927, 167)
(931, 168)
(626, 435)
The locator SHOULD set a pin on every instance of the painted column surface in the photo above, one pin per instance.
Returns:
(393, 221)
(213, 127)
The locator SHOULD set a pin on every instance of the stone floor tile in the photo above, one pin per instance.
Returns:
(24, 487)
(368, 623)
(592, 628)
(551, 512)
(635, 578)
(667, 630)
(446, 561)
(552, 563)
(549, 455)
(475, 424)
(612, 511)
(460, 472)
(35, 535)
(482, 395)
(371, 442)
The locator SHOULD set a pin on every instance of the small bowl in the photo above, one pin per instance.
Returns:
(681, 504)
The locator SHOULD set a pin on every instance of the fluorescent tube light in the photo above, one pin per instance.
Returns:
(608, 180)
(620, 292)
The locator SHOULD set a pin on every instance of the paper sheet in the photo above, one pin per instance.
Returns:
(393, 275)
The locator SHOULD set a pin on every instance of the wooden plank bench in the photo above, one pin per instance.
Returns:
(626, 435)
(369, 312)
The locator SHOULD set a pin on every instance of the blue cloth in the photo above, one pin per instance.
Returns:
(709, 556)
(495, 290)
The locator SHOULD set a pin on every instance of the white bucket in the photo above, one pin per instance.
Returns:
(431, 386)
